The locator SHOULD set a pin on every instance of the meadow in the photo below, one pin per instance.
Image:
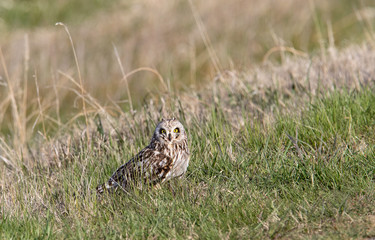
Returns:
(277, 98)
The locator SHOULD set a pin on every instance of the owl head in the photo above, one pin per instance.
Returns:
(170, 131)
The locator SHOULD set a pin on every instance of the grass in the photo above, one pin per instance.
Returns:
(282, 149)
(36, 13)
(164, 37)
(308, 175)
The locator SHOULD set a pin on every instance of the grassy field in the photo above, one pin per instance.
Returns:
(282, 142)
(306, 175)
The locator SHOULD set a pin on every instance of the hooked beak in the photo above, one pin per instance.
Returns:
(169, 137)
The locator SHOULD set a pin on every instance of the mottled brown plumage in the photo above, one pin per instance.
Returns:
(166, 157)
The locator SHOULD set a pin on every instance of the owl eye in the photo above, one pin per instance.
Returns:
(162, 131)
(176, 130)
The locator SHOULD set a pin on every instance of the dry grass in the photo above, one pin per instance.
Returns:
(165, 37)
(257, 96)
(66, 113)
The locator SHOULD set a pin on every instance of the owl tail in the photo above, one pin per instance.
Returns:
(108, 186)
(100, 189)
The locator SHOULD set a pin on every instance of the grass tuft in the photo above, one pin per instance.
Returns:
(288, 179)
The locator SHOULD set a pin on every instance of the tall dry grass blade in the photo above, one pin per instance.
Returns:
(88, 99)
(283, 49)
(85, 96)
(57, 102)
(318, 30)
(18, 137)
(79, 72)
(3, 107)
(23, 106)
(193, 63)
(125, 78)
(7, 155)
(279, 42)
(366, 16)
(207, 42)
(331, 40)
(7, 162)
(41, 114)
(147, 69)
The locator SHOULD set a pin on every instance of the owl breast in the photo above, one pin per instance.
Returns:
(179, 154)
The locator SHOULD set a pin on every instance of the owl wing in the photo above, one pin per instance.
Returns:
(148, 165)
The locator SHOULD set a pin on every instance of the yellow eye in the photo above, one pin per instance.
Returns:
(162, 131)
(176, 130)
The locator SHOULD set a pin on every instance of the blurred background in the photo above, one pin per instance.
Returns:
(162, 46)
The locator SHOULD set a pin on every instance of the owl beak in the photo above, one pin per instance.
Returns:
(169, 137)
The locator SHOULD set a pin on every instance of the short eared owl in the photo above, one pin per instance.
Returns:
(166, 157)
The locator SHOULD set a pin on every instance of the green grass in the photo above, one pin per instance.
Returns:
(308, 175)
(34, 13)
(276, 153)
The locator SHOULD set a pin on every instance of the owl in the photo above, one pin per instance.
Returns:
(166, 157)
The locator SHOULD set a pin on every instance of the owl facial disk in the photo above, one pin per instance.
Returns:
(170, 130)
